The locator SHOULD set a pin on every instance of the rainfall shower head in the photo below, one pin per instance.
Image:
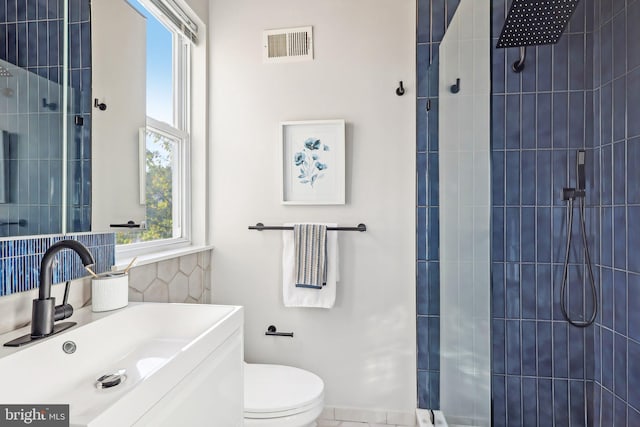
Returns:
(536, 22)
(4, 72)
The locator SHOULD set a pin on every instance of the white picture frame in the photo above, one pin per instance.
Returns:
(312, 157)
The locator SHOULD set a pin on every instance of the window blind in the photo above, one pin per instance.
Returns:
(178, 17)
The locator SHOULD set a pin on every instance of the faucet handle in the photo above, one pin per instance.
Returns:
(64, 310)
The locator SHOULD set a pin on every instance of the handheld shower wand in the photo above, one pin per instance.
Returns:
(569, 195)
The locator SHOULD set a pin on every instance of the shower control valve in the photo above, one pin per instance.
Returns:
(570, 193)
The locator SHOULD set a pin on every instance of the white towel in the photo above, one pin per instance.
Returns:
(304, 297)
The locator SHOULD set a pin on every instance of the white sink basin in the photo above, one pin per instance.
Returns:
(158, 345)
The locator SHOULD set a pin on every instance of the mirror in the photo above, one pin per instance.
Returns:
(44, 101)
(52, 179)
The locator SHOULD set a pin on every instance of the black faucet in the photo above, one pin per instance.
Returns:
(45, 312)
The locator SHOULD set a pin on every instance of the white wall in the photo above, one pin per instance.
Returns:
(364, 348)
(465, 205)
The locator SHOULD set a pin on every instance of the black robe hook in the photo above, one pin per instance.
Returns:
(400, 89)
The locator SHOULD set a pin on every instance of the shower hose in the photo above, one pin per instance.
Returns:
(563, 288)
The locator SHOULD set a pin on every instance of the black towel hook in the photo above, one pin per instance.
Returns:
(400, 89)
(456, 87)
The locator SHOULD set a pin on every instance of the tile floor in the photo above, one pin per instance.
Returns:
(335, 423)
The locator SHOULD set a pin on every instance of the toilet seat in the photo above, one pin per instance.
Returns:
(274, 391)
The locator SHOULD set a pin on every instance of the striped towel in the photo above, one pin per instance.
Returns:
(310, 255)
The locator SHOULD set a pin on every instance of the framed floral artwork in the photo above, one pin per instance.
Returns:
(313, 162)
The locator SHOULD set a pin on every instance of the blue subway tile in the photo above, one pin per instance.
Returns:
(513, 347)
(529, 344)
(498, 234)
(633, 102)
(619, 110)
(422, 171)
(633, 302)
(544, 119)
(422, 65)
(576, 353)
(545, 402)
(498, 118)
(423, 342)
(619, 45)
(560, 402)
(606, 237)
(512, 293)
(528, 282)
(433, 179)
(633, 376)
(498, 343)
(577, 64)
(576, 122)
(543, 226)
(620, 301)
(577, 404)
(620, 237)
(619, 412)
(606, 113)
(512, 234)
(606, 53)
(607, 358)
(560, 351)
(633, 170)
(528, 120)
(529, 405)
(607, 408)
(434, 288)
(620, 366)
(528, 178)
(499, 400)
(619, 175)
(423, 34)
(633, 33)
(528, 234)
(512, 132)
(421, 125)
(560, 120)
(497, 290)
(512, 175)
(543, 291)
(514, 401)
(498, 178)
(434, 234)
(422, 291)
(633, 224)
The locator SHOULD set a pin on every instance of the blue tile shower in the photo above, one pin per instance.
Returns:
(582, 93)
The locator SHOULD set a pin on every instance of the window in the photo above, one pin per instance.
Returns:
(165, 141)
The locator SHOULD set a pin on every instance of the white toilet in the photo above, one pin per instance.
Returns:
(281, 396)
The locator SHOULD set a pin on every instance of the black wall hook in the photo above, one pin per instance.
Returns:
(456, 87)
(100, 105)
(52, 106)
(400, 89)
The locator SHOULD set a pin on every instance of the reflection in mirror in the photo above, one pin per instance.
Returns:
(32, 117)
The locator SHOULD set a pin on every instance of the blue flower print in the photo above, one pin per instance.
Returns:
(309, 162)
(312, 143)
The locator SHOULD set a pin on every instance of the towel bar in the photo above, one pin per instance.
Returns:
(260, 227)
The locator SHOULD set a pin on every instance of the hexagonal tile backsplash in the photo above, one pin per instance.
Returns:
(183, 279)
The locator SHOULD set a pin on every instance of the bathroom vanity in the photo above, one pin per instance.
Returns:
(145, 364)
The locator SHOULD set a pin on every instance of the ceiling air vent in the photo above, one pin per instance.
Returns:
(288, 45)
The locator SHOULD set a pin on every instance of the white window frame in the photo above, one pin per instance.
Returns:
(181, 132)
